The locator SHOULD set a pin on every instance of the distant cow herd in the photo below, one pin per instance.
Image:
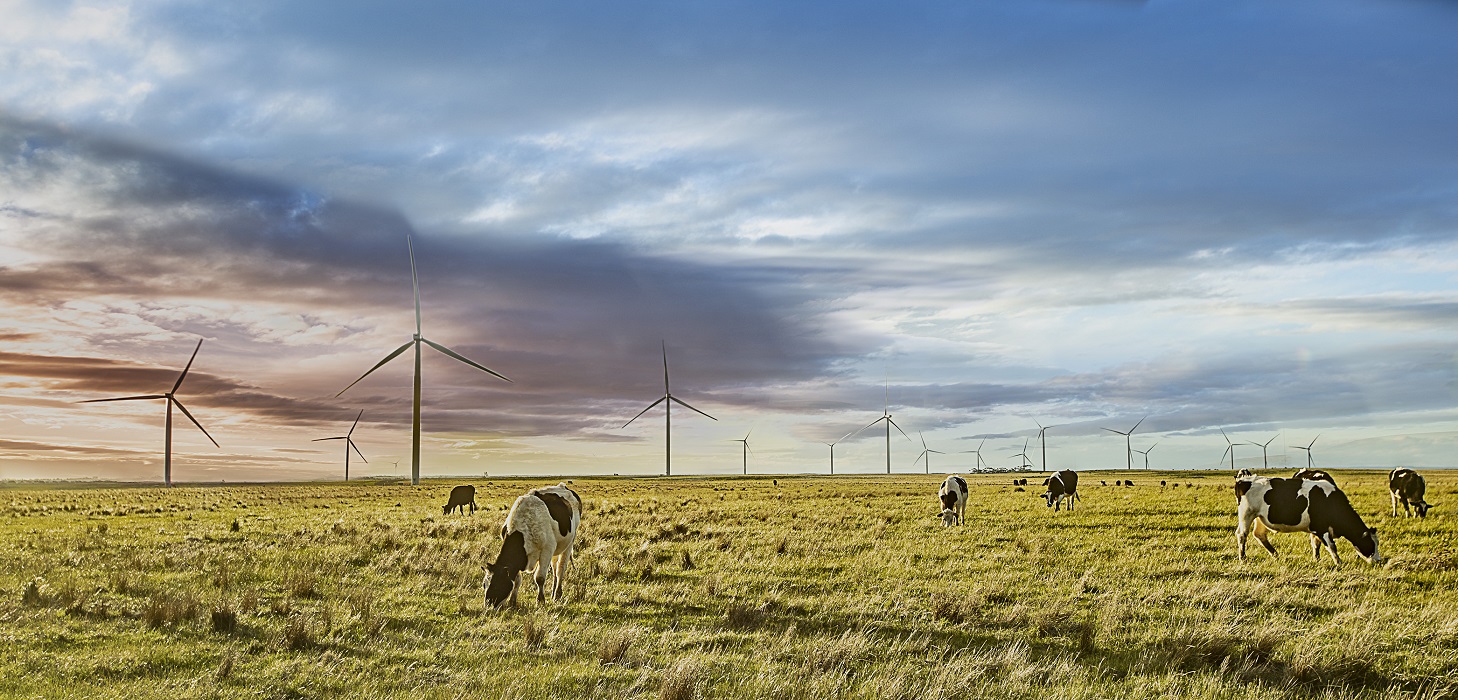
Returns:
(541, 527)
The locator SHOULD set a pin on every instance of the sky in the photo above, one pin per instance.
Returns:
(981, 217)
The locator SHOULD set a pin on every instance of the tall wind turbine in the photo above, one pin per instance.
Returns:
(1230, 449)
(926, 452)
(1307, 448)
(1024, 454)
(1265, 461)
(1146, 454)
(980, 462)
(668, 399)
(1043, 440)
(348, 443)
(885, 416)
(172, 400)
(416, 341)
(745, 452)
(1128, 444)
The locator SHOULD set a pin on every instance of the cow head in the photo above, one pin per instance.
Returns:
(445, 510)
(1422, 508)
(504, 574)
(949, 517)
(1366, 544)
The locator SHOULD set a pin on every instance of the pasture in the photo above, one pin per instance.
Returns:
(814, 587)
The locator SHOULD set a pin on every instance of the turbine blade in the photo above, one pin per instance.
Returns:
(378, 365)
(903, 432)
(676, 400)
(664, 343)
(1313, 441)
(457, 356)
(126, 398)
(183, 376)
(858, 431)
(194, 422)
(356, 451)
(640, 413)
(414, 282)
(341, 437)
(1136, 425)
(918, 459)
(356, 423)
(1113, 431)
(923, 439)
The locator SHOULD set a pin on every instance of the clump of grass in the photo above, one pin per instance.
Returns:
(948, 607)
(614, 647)
(687, 561)
(33, 595)
(681, 681)
(236, 526)
(296, 634)
(533, 633)
(302, 584)
(841, 654)
(169, 611)
(784, 546)
(224, 618)
(225, 668)
(741, 616)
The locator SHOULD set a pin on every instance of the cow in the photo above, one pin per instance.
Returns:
(1314, 475)
(1244, 473)
(539, 532)
(953, 496)
(461, 497)
(1407, 487)
(1061, 485)
(1266, 504)
(1128, 482)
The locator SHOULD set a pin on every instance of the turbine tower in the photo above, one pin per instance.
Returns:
(1307, 449)
(1146, 455)
(172, 400)
(416, 341)
(831, 445)
(744, 453)
(926, 452)
(348, 443)
(1265, 461)
(668, 399)
(1043, 440)
(1128, 444)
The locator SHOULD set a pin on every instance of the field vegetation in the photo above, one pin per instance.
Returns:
(801, 587)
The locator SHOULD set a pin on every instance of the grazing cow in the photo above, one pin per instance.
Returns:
(1244, 473)
(461, 496)
(1314, 475)
(1128, 482)
(539, 531)
(1407, 487)
(1161, 483)
(1061, 485)
(1103, 483)
(1295, 505)
(953, 496)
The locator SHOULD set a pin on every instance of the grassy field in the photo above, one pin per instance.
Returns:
(811, 587)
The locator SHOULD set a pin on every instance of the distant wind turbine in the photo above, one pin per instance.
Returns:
(668, 399)
(980, 462)
(1027, 463)
(416, 341)
(1146, 454)
(885, 416)
(1043, 440)
(172, 400)
(1128, 445)
(926, 452)
(1230, 449)
(348, 443)
(745, 452)
(1307, 448)
(1265, 461)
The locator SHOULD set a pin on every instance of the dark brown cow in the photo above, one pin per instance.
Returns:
(461, 497)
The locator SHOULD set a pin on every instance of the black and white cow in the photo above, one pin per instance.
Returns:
(1061, 485)
(953, 496)
(1299, 505)
(1314, 475)
(1407, 487)
(461, 497)
(539, 532)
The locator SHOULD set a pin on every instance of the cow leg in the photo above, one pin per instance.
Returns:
(515, 586)
(541, 578)
(1331, 546)
(1242, 531)
(1394, 505)
(1262, 533)
(1315, 547)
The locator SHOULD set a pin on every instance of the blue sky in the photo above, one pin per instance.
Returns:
(1221, 215)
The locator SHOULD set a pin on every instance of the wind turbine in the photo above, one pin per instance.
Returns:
(831, 445)
(416, 341)
(1043, 440)
(1265, 461)
(885, 416)
(1024, 454)
(980, 462)
(172, 400)
(926, 452)
(668, 399)
(745, 452)
(1146, 454)
(1307, 448)
(1128, 444)
(1230, 449)
(348, 443)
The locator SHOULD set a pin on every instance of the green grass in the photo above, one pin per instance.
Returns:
(812, 588)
